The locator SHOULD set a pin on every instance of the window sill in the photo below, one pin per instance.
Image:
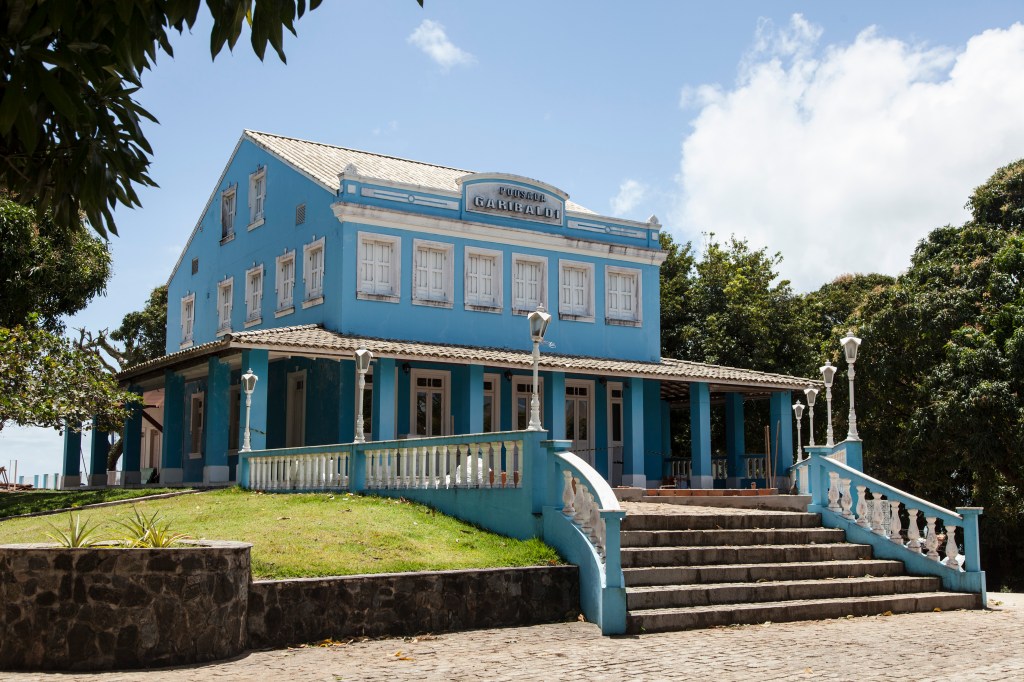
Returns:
(253, 322)
(256, 223)
(310, 302)
(385, 298)
(195, 455)
(285, 311)
(575, 318)
(223, 331)
(229, 238)
(483, 308)
(616, 322)
(187, 343)
(524, 311)
(430, 303)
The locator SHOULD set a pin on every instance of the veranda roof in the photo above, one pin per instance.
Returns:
(315, 340)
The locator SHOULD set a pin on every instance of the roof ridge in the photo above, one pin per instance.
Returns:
(359, 151)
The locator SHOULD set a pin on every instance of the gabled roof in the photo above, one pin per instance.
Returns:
(323, 162)
(315, 340)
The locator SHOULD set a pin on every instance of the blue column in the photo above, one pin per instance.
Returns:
(72, 458)
(346, 401)
(781, 425)
(218, 413)
(98, 451)
(475, 399)
(701, 475)
(258, 360)
(633, 457)
(171, 452)
(131, 455)
(735, 442)
(554, 405)
(384, 399)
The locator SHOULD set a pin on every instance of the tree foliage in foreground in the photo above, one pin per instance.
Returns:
(48, 381)
(48, 269)
(940, 384)
(71, 139)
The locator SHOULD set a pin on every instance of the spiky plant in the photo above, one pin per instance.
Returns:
(78, 534)
(149, 531)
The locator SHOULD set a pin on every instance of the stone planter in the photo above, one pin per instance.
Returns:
(108, 608)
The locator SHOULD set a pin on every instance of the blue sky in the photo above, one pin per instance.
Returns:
(836, 133)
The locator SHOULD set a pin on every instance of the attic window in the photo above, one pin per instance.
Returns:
(300, 214)
(195, 266)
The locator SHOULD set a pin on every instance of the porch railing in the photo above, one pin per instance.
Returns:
(515, 483)
(872, 512)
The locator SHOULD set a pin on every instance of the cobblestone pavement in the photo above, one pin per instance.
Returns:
(959, 645)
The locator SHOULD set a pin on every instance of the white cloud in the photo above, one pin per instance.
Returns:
(430, 37)
(631, 193)
(844, 156)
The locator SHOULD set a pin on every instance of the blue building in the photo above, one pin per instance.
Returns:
(307, 252)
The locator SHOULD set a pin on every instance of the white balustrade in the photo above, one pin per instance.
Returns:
(845, 501)
(878, 516)
(931, 543)
(579, 503)
(913, 532)
(951, 548)
(833, 492)
(894, 522)
(862, 507)
(306, 471)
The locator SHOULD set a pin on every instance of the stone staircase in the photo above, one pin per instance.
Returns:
(729, 567)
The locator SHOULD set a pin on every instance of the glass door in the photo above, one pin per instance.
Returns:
(430, 403)
(578, 418)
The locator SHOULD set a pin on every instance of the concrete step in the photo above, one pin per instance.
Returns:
(757, 554)
(675, 596)
(802, 570)
(715, 521)
(705, 538)
(688, 618)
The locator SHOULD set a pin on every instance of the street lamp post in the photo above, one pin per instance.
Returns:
(812, 395)
(828, 372)
(850, 345)
(363, 358)
(539, 320)
(248, 386)
(798, 410)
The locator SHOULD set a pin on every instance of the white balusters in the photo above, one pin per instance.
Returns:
(862, 507)
(579, 502)
(878, 515)
(913, 532)
(567, 494)
(833, 491)
(931, 542)
(951, 549)
(845, 502)
(895, 525)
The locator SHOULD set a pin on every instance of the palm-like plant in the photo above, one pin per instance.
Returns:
(149, 531)
(78, 534)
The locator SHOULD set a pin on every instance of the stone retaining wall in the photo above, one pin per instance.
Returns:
(283, 612)
(107, 608)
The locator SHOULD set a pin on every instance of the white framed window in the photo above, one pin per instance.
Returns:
(254, 295)
(188, 319)
(313, 272)
(257, 197)
(227, 214)
(196, 414)
(284, 281)
(483, 279)
(622, 295)
(379, 268)
(492, 403)
(529, 283)
(575, 290)
(432, 281)
(225, 294)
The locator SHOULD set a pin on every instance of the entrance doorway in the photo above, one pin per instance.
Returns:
(295, 433)
(615, 434)
(579, 416)
(429, 403)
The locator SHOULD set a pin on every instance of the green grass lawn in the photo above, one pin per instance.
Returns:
(307, 535)
(30, 501)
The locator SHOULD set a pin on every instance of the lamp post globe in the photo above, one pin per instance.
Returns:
(248, 386)
(828, 373)
(812, 395)
(363, 359)
(539, 320)
(850, 344)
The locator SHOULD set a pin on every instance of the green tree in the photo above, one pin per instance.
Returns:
(941, 381)
(45, 268)
(143, 333)
(730, 308)
(48, 381)
(71, 139)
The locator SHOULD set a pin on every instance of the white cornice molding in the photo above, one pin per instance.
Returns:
(510, 236)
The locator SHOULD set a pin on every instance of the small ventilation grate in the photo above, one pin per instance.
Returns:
(300, 214)
(195, 266)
